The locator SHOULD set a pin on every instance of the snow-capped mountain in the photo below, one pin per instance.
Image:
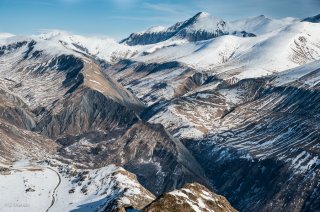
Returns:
(105, 49)
(232, 105)
(202, 26)
(276, 51)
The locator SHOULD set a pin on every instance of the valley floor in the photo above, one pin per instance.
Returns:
(28, 186)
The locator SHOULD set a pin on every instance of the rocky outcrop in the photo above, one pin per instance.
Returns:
(130, 193)
(161, 162)
(84, 111)
(14, 111)
(156, 82)
(192, 197)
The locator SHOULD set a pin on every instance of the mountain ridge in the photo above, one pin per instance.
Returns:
(126, 127)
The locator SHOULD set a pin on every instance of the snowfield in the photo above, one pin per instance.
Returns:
(40, 187)
(276, 51)
(28, 187)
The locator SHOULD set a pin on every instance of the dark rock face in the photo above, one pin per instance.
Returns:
(84, 111)
(200, 35)
(313, 19)
(155, 67)
(147, 38)
(245, 34)
(151, 83)
(14, 111)
(71, 66)
(250, 185)
(152, 38)
(30, 48)
(160, 161)
(11, 47)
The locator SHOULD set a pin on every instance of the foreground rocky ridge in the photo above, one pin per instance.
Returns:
(191, 197)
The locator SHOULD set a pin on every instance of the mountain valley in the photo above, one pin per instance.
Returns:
(168, 119)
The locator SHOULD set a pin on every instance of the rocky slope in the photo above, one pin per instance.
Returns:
(198, 104)
(154, 82)
(161, 162)
(266, 127)
(17, 143)
(191, 197)
(66, 92)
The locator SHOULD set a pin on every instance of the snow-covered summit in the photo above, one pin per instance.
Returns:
(261, 24)
(55, 42)
(104, 48)
(202, 26)
(205, 22)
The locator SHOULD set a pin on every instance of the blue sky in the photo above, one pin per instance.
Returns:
(118, 18)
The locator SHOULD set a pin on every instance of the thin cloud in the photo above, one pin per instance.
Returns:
(137, 18)
(71, 1)
(169, 9)
(124, 2)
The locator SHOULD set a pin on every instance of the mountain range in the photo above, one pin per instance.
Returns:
(203, 115)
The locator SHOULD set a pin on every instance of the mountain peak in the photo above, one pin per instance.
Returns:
(50, 34)
(263, 17)
(202, 15)
(201, 26)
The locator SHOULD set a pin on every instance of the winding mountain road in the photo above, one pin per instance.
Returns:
(54, 190)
